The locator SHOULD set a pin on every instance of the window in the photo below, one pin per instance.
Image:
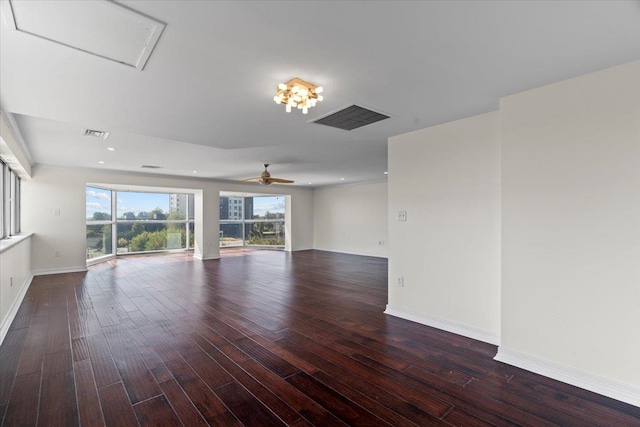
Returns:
(10, 201)
(125, 222)
(99, 222)
(154, 221)
(257, 221)
(264, 220)
(15, 204)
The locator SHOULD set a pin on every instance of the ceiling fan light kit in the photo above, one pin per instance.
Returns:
(296, 93)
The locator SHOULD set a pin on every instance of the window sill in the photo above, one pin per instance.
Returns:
(13, 240)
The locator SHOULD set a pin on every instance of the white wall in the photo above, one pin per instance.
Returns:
(15, 252)
(447, 179)
(12, 151)
(64, 189)
(571, 231)
(351, 219)
(15, 278)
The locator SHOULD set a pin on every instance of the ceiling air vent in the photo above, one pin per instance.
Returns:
(150, 167)
(351, 118)
(96, 133)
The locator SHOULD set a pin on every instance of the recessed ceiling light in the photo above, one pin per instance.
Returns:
(386, 173)
(111, 149)
(195, 171)
(341, 179)
(101, 162)
(309, 183)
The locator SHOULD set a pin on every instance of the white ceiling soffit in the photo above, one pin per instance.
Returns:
(102, 28)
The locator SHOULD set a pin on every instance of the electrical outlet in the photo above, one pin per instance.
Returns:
(56, 254)
(402, 215)
(400, 282)
(56, 212)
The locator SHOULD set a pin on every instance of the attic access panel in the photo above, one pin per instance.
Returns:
(103, 28)
(351, 118)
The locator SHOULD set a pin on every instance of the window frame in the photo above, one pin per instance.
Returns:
(244, 222)
(115, 221)
(10, 198)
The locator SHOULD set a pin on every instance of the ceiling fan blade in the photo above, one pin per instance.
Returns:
(266, 179)
(280, 180)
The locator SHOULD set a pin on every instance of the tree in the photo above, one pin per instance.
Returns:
(101, 216)
(147, 241)
(137, 243)
(157, 241)
(136, 229)
(157, 214)
(274, 215)
(175, 214)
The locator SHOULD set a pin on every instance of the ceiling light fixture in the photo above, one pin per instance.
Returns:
(296, 93)
(111, 149)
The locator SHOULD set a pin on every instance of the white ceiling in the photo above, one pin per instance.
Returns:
(204, 100)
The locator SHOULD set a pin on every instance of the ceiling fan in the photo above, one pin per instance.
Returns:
(266, 179)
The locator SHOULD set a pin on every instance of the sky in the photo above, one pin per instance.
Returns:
(99, 200)
(138, 202)
(272, 204)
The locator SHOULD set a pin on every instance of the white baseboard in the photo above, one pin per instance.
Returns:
(446, 325)
(102, 259)
(353, 253)
(6, 322)
(205, 258)
(605, 386)
(60, 270)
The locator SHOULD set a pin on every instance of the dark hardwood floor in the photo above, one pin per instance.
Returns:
(268, 338)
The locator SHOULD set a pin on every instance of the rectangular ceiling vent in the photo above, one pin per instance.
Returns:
(150, 167)
(96, 133)
(351, 118)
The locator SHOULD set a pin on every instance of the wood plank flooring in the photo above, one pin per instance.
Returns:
(267, 338)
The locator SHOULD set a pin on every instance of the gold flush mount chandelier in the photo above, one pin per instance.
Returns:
(296, 93)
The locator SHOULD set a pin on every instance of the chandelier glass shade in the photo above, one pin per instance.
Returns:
(296, 93)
